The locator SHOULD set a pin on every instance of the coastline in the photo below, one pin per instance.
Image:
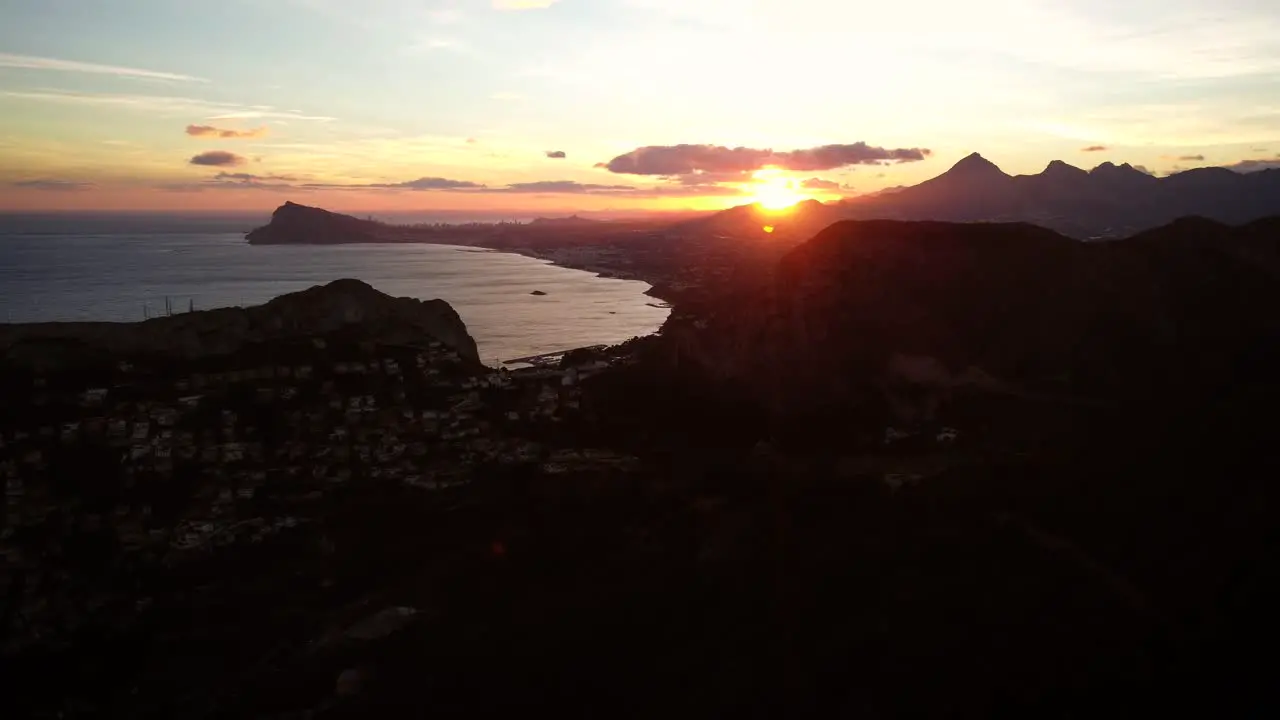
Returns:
(551, 257)
(396, 270)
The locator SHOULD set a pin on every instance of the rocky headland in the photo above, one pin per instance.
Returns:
(292, 223)
(316, 311)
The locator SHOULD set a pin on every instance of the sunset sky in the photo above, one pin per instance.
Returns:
(609, 104)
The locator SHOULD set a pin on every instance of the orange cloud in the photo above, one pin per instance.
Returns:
(225, 134)
(1094, 148)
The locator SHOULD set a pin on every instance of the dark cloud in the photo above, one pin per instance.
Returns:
(224, 133)
(55, 185)
(217, 158)
(1255, 165)
(829, 157)
(1191, 158)
(1094, 148)
(556, 154)
(681, 160)
(820, 184)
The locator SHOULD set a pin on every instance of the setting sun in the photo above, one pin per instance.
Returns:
(771, 191)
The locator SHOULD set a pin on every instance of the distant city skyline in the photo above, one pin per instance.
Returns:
(529, 106)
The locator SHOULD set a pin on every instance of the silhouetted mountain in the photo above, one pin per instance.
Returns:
(972, 168)
(797, 222)
(1110, 200)
(292, 223)
(868, 305)
(572, 220)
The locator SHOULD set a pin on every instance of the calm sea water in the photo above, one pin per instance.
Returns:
(113, 269)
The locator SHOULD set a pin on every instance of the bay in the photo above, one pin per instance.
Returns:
(96, 271)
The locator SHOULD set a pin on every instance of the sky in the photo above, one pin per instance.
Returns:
(592, 105)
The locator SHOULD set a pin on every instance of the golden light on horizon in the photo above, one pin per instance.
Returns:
(772, 191)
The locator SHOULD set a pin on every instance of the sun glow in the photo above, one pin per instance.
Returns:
(772, 191)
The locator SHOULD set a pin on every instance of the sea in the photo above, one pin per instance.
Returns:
(124, 268)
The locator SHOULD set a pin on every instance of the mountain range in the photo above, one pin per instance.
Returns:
(1108, 201)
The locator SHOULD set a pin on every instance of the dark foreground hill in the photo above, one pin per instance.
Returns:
(1074, 515)
(208, 333)
(868, 306)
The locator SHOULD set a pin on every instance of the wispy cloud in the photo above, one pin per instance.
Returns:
(217, 158)
(266, 112)
(423, 183)
(438, 43)
(538, 187)
(29, 62)
(820, 184)
(556, 154)
(1094, 148)
(55, 185)
(523, 4)
(563, 187)
(236, 181)
(224, 133)
(1255, 165)
(1190, 124)
(158, 104)
(572, 187)
(1163, 40)
(445, 15)
(250, 177)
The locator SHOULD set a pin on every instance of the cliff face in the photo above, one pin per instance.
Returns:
(292, 223)
(316, 311)
(882, 310)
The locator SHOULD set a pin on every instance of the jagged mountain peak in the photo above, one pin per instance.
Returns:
(1110, 168)
(975, 164)
(1060, 168)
